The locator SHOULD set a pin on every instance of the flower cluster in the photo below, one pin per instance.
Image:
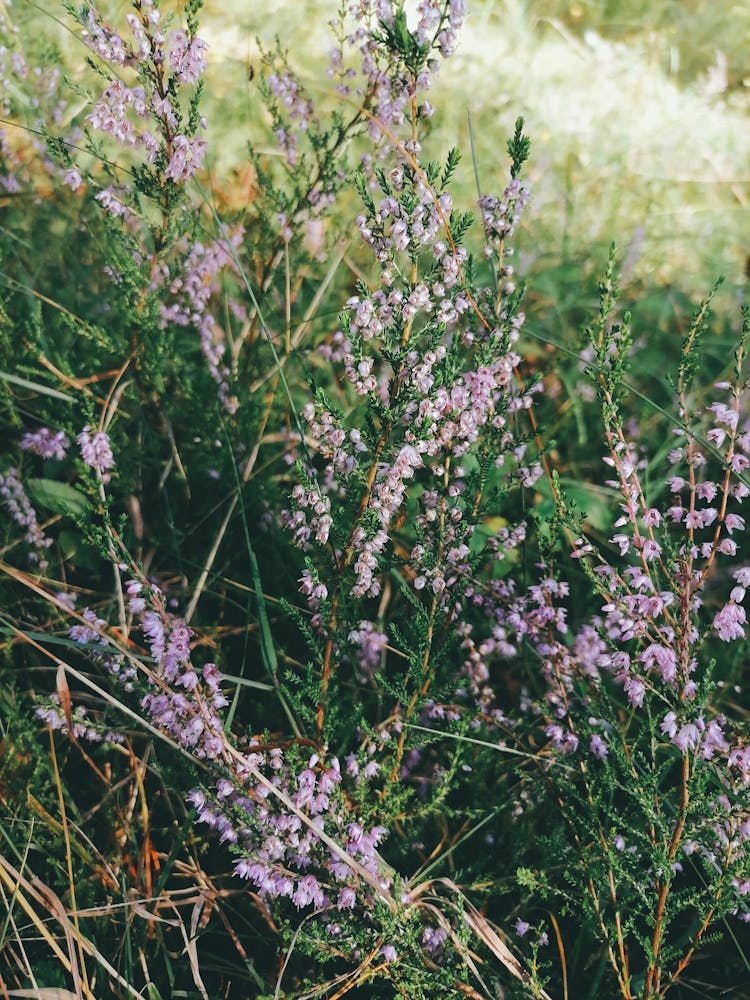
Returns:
(381, 33)
(309, 498)
(370, 644)
(145, 117)
(83, 726)
(653, 643)
(19, 507)
(192, 281)
(46, 443)
(92, 635)
(500, 216)
(655, 601)
(183, 701)
(279, 839)
(186, 57)
(290, 824)
(33, 97)
(96, 451)
(440, 406)
(297, 107)
(398, 488)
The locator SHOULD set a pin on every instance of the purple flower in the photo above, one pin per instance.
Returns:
(688, 736)
(111, 203)
(186, 57)
(635, 689)
(669, 725)
(46, 443)
(96, 451)
(652, 518)
(19, 507)
(729, 622)
(598, 746)
(371, 643)
(308, 891)
(347, 899)
(73, 179)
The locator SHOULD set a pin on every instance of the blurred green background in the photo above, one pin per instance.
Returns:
(638, 113)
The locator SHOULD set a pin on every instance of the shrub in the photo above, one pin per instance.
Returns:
(314, 647)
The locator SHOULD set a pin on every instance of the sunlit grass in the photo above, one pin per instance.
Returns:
(627, 145)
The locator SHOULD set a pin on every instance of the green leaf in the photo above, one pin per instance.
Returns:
(58, 497)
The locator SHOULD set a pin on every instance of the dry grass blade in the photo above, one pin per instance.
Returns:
(63, 693)
(9, 903)
(290, 951)
(45, 993)
(486, 933)
(22, 890)
(191, 944)
(80, 974)
(35, 889)
(561, 950)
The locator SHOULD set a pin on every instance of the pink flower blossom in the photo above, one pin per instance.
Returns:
(729, 622)
(96, 451)
(46, 443)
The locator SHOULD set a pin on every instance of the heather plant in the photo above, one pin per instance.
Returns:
(654, 800)
(323, 646)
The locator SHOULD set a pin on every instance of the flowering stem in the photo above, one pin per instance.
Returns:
(653, 975)
(427, 678)
(348, 554)
(695, 940)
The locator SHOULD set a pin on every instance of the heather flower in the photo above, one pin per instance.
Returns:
(186, 158)
(186, 57)
(96, 451)
(598, 746)
(46, 443)
(193, 284)
(136, 604)
(729, 622)
(371, 644)
(99, 649)
(433, 938)
(83, 726)
(73, 178)
(21, 511)
(110, 201)
(104, 41)
(688, 736)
